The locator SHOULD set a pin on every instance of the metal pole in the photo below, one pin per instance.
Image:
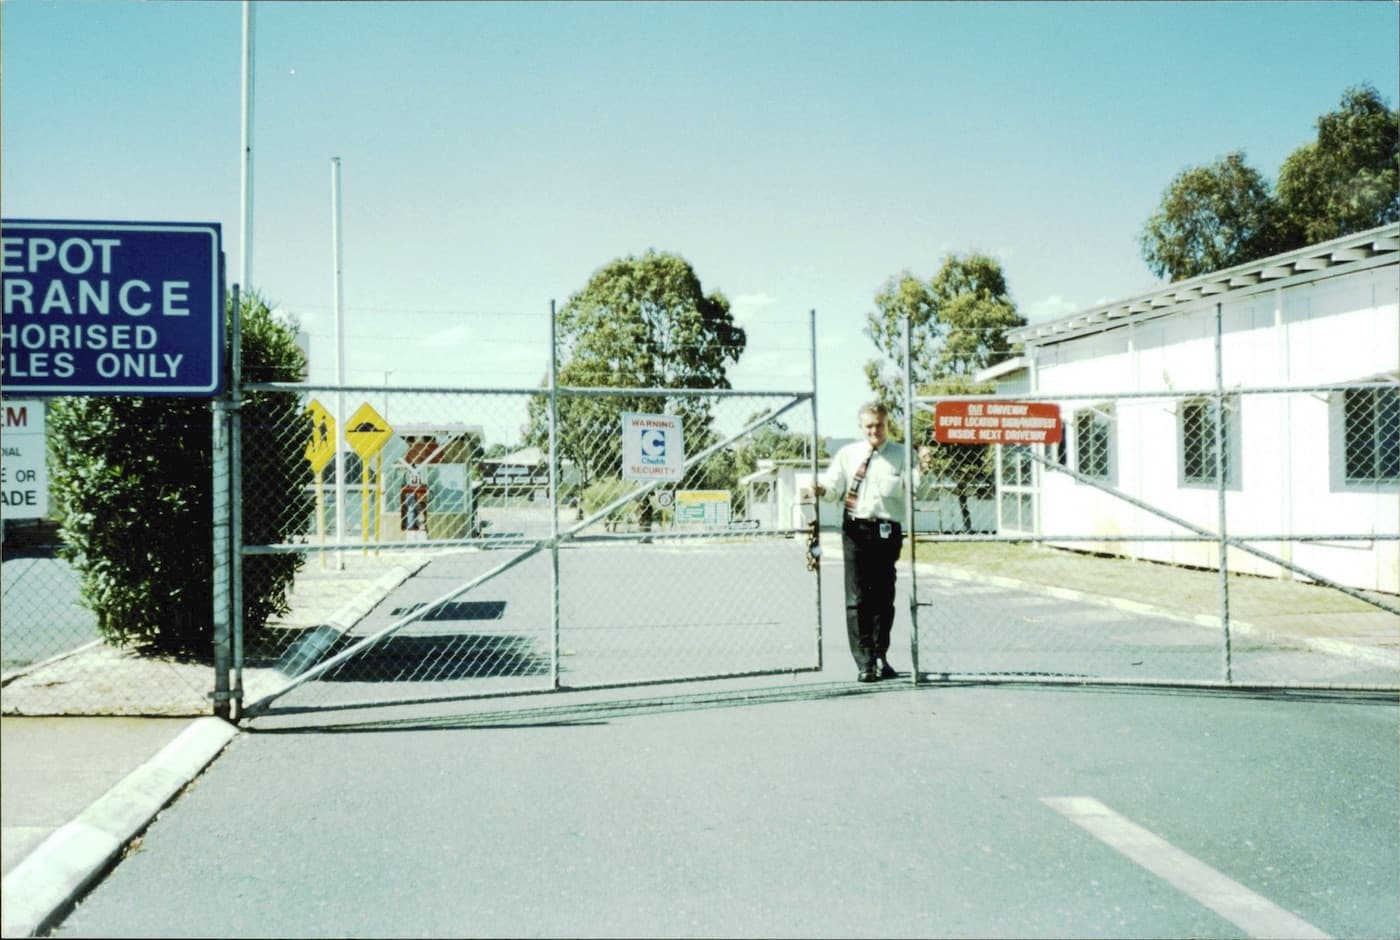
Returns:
(339, 365)
(1220, 485)
(245, 182)
(909, 446)
(816, 469)
(554, 498)
(222, 576)
(236, 491)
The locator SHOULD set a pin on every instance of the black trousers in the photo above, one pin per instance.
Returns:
(869, 562)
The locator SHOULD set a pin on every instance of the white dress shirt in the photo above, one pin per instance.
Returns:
(882, 493)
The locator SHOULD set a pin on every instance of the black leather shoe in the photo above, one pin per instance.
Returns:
(887, 671)
(868, 675)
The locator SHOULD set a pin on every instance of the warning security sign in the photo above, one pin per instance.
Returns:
(653, 447)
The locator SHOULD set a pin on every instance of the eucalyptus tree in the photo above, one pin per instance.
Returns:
(1211, 217)
(640, 323)
(1348, 179)
(959, 320)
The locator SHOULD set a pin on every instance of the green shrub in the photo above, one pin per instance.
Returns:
(132, 485)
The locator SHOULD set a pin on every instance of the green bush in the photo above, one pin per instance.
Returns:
(132, 484)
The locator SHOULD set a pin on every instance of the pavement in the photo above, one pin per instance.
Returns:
(79, 791)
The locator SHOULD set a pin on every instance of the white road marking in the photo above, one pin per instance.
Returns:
(1256, 915)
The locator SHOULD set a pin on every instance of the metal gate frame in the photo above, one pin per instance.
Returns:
(1221, 536)
(231, 687)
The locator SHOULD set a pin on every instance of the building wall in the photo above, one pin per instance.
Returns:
(1287, 474)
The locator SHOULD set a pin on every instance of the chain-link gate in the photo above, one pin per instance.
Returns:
(544, 564)
(1230, 536)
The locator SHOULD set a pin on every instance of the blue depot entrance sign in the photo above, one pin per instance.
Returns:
(112, 308)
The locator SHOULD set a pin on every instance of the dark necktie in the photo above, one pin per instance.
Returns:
(854, 492)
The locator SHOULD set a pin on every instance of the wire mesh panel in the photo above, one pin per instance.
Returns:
(431, 639)
(1241, 538)
(44, 615)
(539, 559)
(685, 608)
(121, 552)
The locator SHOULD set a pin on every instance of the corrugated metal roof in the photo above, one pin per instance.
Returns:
(1325, 256)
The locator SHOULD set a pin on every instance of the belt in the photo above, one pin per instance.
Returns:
(869, 523)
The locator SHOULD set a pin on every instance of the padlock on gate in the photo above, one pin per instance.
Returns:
(814, 546)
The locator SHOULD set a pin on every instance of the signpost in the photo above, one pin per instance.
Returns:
(112, 308)
(997, 422)
(367, 432)
(320, 450)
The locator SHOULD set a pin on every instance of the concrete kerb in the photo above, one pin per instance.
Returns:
(54, 876)
(1327, 645)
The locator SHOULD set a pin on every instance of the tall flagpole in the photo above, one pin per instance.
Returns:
(245, 179)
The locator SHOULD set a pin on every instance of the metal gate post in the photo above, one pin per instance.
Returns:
(235, 490)
(555, 504)
(816, 469)
(222, 549)
(909, 445)
(1220, 486)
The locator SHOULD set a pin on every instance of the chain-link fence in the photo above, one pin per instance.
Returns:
(44, 617)
(451, 542)
(1248, 537)
(578, 555)
(57, 657)
(383, 543)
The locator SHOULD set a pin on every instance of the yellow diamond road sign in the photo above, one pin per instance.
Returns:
(320, 449)
(366, 431)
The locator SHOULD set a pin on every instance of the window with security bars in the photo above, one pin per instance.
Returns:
(1016, 465)
(1371, 419)
(1198, 463)
(1093, 432)
(1017, 504)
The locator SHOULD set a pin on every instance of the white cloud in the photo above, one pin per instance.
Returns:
(1050, 308)
(759, 300)
(748, 307)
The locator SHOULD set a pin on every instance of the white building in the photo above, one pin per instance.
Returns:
(1138, 419)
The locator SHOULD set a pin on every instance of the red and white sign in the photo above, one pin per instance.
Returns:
(997, 422)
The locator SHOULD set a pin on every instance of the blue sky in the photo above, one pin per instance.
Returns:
(796, 154)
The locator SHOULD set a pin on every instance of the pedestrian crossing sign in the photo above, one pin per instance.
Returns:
(320, 449)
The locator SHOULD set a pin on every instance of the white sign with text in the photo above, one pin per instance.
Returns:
(24, 481)
(653, 447)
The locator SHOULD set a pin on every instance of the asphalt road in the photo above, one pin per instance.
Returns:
(632, 612)
(819, 810)
(796, 806)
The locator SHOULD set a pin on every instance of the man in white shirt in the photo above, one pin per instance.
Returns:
(869, 476)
